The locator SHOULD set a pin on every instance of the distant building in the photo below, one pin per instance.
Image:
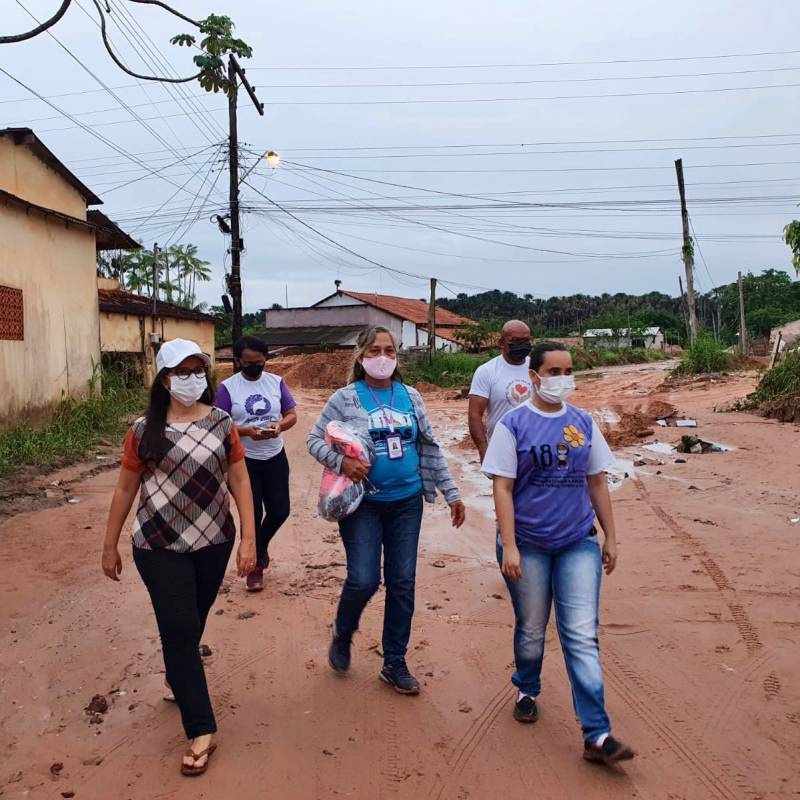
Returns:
(49, 319)
(131, 330)
(336, 320)
(790, 335)
(625, 338)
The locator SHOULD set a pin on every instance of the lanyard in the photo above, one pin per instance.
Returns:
(387, 418)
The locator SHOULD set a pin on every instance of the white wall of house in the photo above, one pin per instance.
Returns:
(445, 345)
(790, 333)
(340, 300)
(341, 311)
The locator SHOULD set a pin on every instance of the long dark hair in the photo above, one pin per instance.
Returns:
(364, 340)
(154, 445)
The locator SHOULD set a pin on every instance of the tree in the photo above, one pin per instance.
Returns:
(190, 269)
(791, 235)
(217, 41)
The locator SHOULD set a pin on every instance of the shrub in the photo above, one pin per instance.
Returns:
(782, 381)
(447, 369)
(75, 426)
(705, 355)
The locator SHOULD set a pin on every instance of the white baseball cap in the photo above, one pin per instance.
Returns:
(173, 352)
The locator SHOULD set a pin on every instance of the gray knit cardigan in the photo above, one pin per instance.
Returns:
(345, 406)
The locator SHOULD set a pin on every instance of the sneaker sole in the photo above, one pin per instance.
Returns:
(626, 754)
(396, 687)
(525, 720)
(255, 588)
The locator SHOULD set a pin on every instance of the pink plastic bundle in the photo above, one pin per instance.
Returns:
(339, 496)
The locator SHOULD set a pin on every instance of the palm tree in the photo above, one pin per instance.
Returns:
(190, 270)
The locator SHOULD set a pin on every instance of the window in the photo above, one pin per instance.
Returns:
(11, 317)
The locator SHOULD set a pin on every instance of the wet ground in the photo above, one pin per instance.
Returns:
(700, 635)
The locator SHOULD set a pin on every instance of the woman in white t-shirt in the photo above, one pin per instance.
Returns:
(262, 408)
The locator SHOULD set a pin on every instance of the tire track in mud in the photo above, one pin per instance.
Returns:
(391, 773)
(747, 630)
(470, 741)
(745, 681)
(719, 779)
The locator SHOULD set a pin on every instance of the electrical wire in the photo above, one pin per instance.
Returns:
(540, 63)
(537, 98)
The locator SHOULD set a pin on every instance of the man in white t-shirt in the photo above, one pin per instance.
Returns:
(501, 384)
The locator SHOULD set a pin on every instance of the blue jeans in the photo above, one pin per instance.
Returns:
(393, 526)
(570, 578)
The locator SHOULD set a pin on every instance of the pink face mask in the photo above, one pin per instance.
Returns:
(380, 367)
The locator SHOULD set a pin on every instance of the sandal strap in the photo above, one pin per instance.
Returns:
(197, 756)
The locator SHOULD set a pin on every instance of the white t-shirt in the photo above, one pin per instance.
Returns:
(501, 456)
(505, 385)
(257, 403)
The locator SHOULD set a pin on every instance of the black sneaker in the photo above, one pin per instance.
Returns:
(339, 653)
(399, 678)
(610, 752)
(525, 710)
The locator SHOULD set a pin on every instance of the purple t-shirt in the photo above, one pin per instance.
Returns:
(258, 403)
(549, 456)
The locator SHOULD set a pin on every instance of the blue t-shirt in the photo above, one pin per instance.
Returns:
(549, 456)
(395, 479)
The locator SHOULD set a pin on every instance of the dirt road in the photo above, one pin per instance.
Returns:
(700, 642)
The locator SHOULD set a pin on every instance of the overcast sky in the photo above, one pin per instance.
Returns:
(606, 236)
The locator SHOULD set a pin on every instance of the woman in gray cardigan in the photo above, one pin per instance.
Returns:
(408, 466)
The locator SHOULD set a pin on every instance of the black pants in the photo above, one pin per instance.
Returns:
(269, 481)
(183, 587)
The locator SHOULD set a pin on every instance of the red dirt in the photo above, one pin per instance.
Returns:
(699, 640)
(314, 370)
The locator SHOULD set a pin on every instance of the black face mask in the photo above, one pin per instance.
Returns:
(519, 351)
(252, 371)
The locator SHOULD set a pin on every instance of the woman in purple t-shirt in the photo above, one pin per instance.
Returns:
(262, 408)
(548, 460)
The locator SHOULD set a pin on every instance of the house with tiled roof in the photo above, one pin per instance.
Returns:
(336, 320)
(49, 318)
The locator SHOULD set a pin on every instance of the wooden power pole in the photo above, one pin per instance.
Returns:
(155, 283)
(688, 255)
(432, 322)
(236, 73)
(742, 321)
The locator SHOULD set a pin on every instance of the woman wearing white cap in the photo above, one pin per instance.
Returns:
(184, 456)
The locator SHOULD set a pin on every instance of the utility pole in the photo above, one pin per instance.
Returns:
(236, 73)
(688, 254)
(683, 304)
(432, 322)
(742, 321)
(155, 283)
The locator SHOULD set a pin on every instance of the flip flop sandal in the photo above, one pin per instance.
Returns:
(191, 769)
(169, 695)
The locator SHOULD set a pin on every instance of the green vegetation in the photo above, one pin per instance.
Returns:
(75, 427)
(456, 369)
(791, 235)
(252, 325)
(588, 359)
(771, 298)
(447, 369)
(705, 355)
(782, 381)
(180, 269)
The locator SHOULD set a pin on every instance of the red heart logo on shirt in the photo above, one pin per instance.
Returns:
(521, 389)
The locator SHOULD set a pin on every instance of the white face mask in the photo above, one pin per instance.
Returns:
(189, 390)
(380, 367)
(555, 389)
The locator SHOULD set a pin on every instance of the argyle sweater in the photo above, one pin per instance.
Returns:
(184, 503)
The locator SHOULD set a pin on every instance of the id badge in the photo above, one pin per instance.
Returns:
(394, 446)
